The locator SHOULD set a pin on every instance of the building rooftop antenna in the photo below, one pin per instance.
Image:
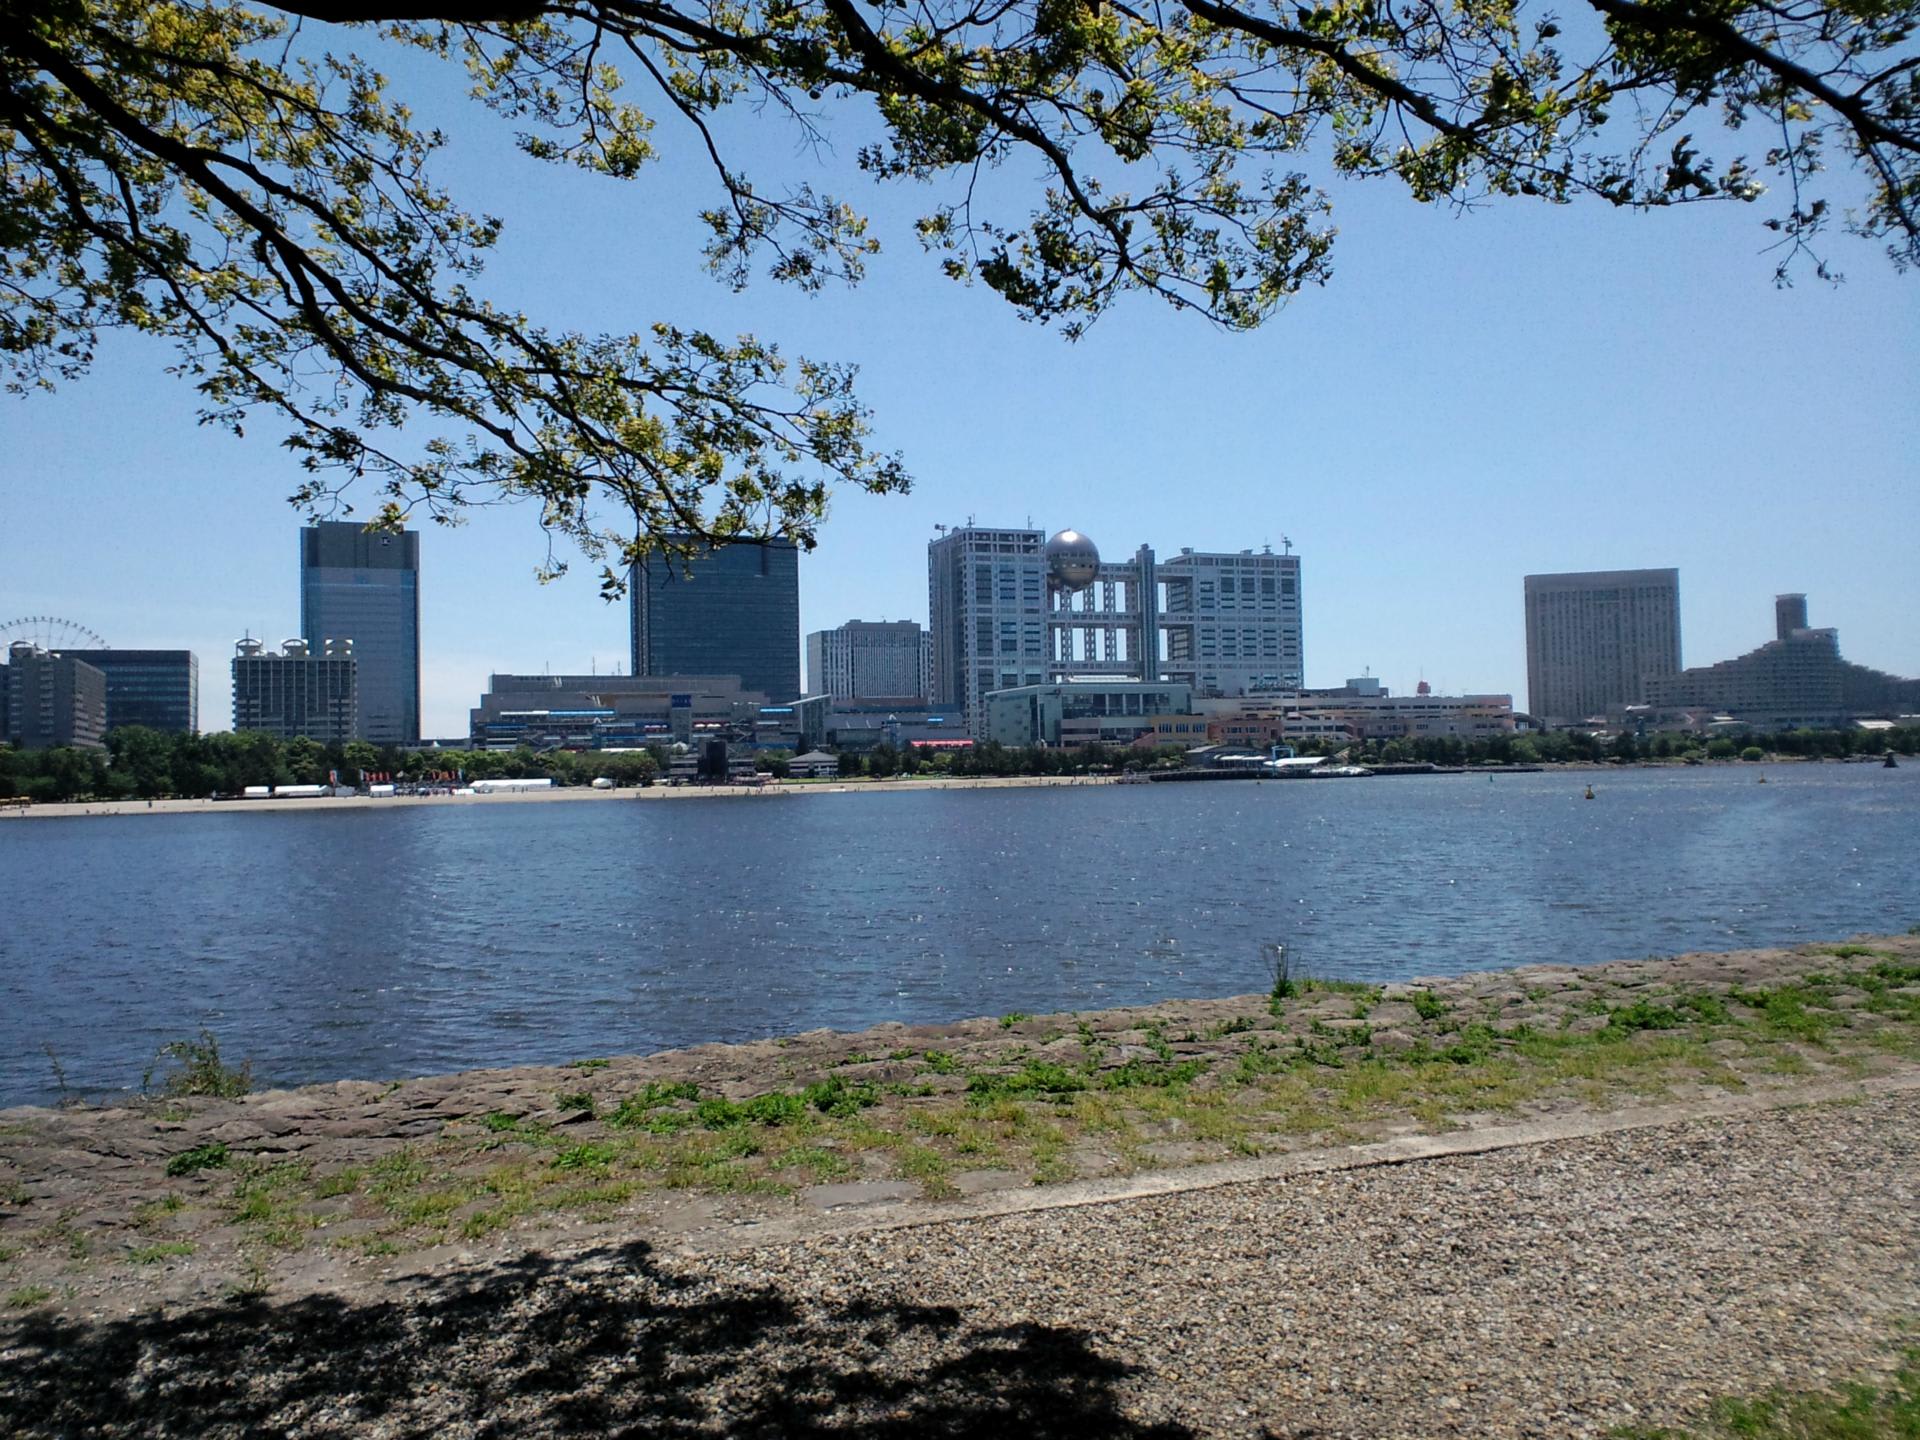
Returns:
(1286, 545)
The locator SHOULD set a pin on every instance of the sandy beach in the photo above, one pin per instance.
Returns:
(330, 804)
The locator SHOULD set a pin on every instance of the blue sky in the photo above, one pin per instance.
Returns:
(1472, 398)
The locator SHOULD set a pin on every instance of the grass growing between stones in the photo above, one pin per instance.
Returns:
(1063, 1098)
(1258, 1083)
(1859, 1411)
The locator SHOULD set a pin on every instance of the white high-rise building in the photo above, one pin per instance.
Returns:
(1595, 638)
(1231, 622)
(869, 660)
(987, 600)
(1011, 608)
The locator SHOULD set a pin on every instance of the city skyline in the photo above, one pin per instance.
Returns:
(1522, 391)
(455, 695)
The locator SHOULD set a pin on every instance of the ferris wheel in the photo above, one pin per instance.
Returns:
(49, 632)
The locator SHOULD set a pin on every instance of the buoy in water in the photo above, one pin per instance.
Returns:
(1589, 792)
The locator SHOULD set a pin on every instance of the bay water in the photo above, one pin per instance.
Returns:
(379, 944)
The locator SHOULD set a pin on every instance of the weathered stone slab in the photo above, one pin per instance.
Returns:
(859, 1192)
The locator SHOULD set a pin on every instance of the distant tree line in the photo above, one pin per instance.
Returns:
(139, 763)
(1563, 746)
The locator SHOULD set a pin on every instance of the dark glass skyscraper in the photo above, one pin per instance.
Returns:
(734, 610)
(156, 688)
(364, 586)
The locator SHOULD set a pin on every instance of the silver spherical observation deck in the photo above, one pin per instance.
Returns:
(1073, 561)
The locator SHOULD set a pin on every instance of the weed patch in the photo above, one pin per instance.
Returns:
(1852, 1412)
(1427, 1005)
(598, 1158)
(1161, 1075)
(1783, 1010)
(1642, 1015)
(1036, 1077)
(200, 1070)
(1235, 1026)
(210, 1156)
(154, 1211)
(637, 1111)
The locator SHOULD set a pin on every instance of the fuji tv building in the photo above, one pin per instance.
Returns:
(1029, 632)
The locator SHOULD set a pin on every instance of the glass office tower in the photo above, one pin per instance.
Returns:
(364, 586)
(734, 610)
(156, 688)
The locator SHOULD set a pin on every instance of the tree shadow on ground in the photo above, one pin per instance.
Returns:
(602, 1344)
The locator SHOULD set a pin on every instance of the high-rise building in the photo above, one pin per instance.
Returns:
(1789, 615)
(49, 699)
(297, 693)
(869, 660)
(987, 603)
(1011, 608)
(1595, 638)
(727, 610)
(156, 688)
(1232, 621)
(364, 585)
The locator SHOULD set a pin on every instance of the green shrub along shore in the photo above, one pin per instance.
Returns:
(144, 764)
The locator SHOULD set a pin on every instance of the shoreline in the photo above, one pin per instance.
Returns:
(353, 1183)
(334, 804)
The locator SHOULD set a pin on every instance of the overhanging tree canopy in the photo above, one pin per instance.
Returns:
(236, 179)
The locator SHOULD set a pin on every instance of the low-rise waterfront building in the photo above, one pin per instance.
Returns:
(50, 699)
(1114, 712)
(1795, 679)
(602, 712)
(1362, 709)
(296, 693)
(859, 728)
(618, 712)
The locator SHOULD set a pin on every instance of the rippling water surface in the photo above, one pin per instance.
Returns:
(379, 944)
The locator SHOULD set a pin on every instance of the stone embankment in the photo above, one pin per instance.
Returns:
(191, 1195)
(982, 1228)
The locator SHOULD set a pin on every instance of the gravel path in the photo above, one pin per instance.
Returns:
(1560, 1289)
